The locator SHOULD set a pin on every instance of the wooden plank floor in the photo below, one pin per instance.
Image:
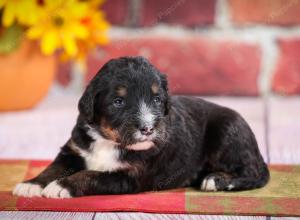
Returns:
(40, 133)
(13, 215)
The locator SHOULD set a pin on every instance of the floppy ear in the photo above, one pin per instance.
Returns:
(97, 85)
(86, 103)
(164, 84)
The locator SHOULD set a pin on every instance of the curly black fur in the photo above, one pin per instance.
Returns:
(196, 143)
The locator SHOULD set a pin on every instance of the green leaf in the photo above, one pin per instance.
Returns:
(10, 38)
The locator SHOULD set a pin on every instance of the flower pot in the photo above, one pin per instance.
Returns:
(25, 77)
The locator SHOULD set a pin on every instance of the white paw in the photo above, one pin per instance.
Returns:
(209, 184)
(54, 190)
(230, 187)
(27, 190)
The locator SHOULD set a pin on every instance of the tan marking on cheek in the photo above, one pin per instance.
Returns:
(108, 131)
(122, 91)
(155, 88)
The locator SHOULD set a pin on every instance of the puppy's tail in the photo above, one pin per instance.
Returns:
(246, 183)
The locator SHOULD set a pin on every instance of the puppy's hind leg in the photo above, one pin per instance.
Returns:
(250, 182)
(215, 182)
(221, 181)
(232, 154)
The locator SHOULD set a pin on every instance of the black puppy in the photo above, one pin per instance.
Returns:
(131, 137)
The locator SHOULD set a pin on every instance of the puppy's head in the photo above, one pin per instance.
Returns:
(127, 101)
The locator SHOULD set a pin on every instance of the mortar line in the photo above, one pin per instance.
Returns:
(134, 11)
(222, 15)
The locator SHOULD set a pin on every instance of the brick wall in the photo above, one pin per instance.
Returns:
(208, 47)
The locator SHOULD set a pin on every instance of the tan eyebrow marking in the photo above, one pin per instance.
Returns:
(122, 91)
(155, 88)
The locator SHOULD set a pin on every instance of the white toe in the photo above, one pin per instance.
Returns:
(230, 186)
(209, 184)
(27, 190)
(203, 185)
(65, 194)
(54, 190)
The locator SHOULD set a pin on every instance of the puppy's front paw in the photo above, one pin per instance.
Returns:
(54, 190)
(27, 190)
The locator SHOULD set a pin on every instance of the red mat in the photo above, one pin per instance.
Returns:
(281, 197)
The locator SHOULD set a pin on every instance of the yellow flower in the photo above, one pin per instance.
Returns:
(59, 26)
(24, 11)
(97, 27)
(95, 3)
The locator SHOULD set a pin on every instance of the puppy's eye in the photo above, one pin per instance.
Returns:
(118, 102)
(157, 100)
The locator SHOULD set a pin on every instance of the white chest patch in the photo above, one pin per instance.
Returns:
(103, 155)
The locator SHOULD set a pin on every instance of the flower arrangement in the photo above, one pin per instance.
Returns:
(72, 27)
(31, 32)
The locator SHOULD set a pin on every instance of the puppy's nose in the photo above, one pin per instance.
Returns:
(146, 130)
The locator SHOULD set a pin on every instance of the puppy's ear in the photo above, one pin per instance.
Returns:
(86, 104)
(97, 85)
(164, 84)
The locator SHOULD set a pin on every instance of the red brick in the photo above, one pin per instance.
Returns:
(63, 74)
(184, 12)
(193, 65)
(287, 73)
(116, 11)
(280, 12)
